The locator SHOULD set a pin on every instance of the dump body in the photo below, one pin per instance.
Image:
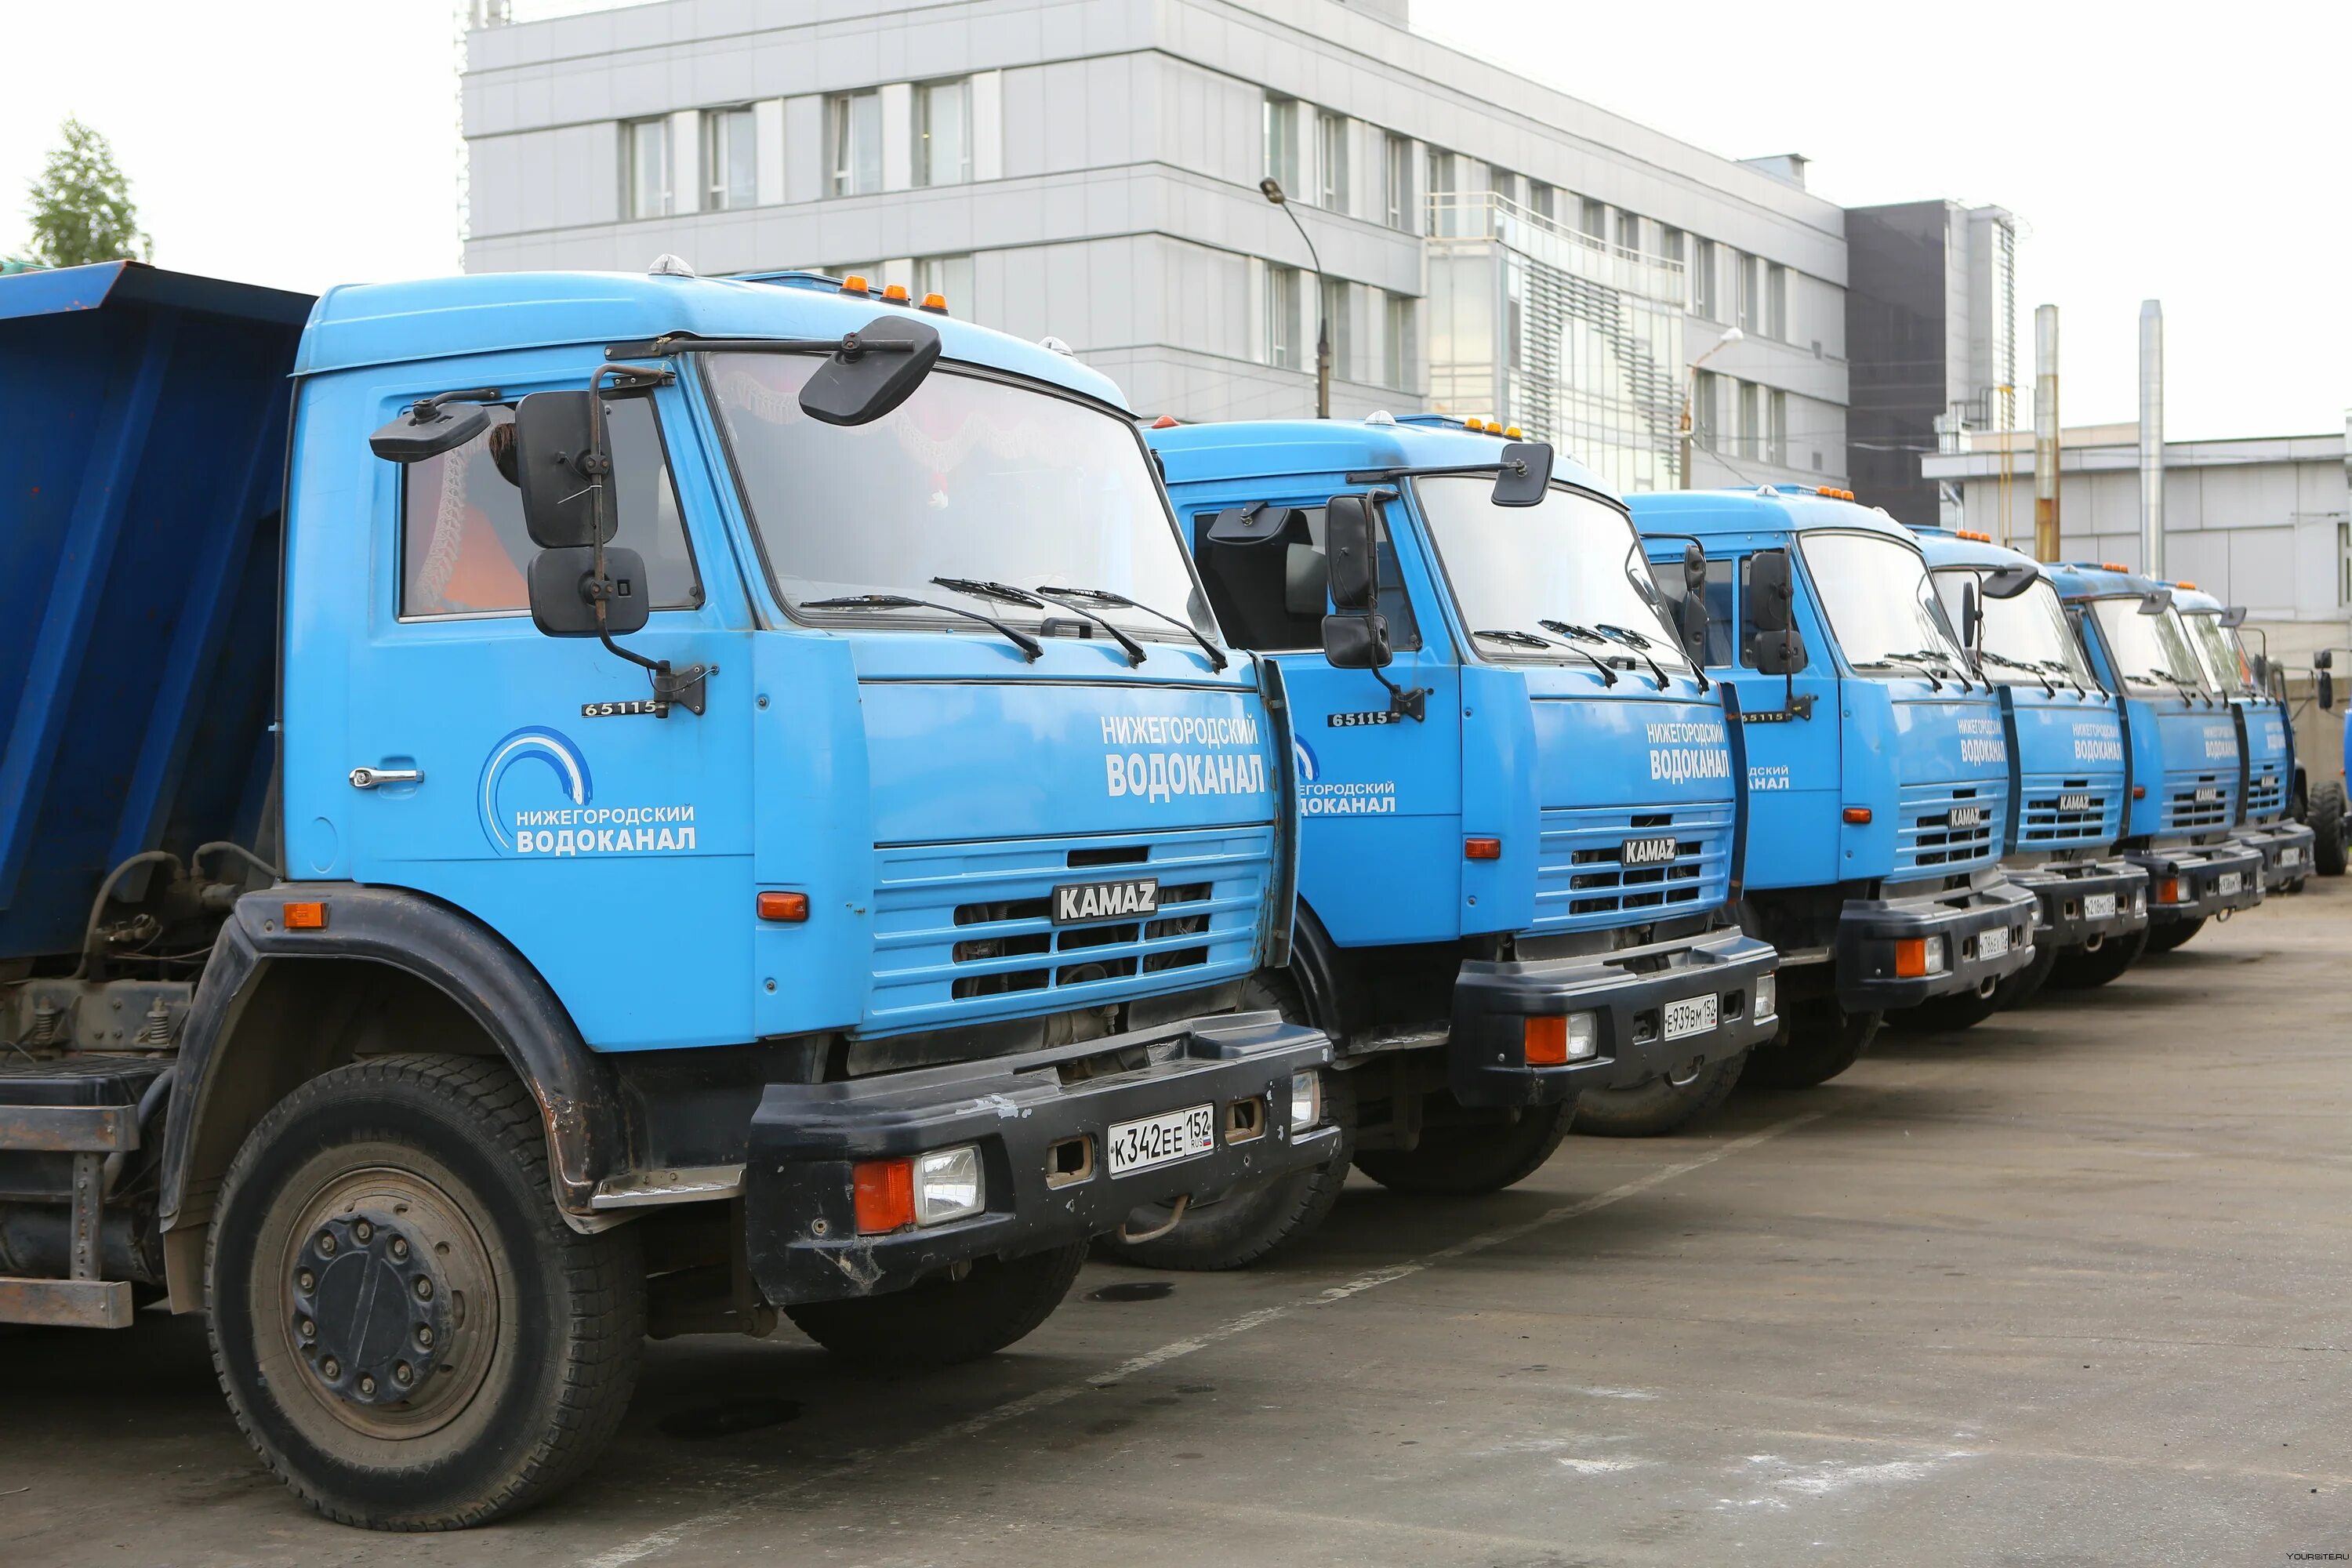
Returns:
(2266, 740)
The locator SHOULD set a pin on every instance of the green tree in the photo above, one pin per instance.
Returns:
(81, 206)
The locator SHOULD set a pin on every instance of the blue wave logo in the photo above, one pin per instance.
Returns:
(529, 744)
(1308, 767)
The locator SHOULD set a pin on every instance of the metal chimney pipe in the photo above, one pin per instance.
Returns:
(2151, 438)
(2046, 432)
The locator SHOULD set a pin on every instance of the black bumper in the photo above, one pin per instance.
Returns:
(800, 1217)
(2064, 891)
(1627, 992)
(2286, 848)
(2203, 880)
(1869, 928)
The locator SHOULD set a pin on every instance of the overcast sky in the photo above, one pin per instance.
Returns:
(2194, 155)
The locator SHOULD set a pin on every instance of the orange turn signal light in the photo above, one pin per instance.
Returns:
(1857, 815)
(884, 1195)
(306, 916)
(2169, 890)
(1547, 1041)
(853, 284)
(2113, 566)
(937, 304)
(1166, 422)
(783, 906)
(1910, 957)
(2140, 792)
(2190, 586)
(896, 293)
(1482, 849)
(1832, 494)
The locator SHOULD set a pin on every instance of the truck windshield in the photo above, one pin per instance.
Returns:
(2025, 640)
(2216, 649)
(991, 483)
(1880, 605)
(2150, 650)
(1570, 565)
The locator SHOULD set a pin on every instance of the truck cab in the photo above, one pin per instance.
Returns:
(2180, 746)
(543, 808)
(1519, 822)
(2268, 767)
(2066, 736)
(1878, 764)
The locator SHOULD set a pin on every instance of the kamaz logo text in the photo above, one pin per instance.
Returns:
(1648, 851)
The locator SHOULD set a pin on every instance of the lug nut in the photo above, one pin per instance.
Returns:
(424, 1289)
(423, 1336)
(309, 1330)
(331, 1368)
(327, 1242)
(306, 1280)
(363, 1231)
(367, 1384)
(400, 1246)
(400, 1374)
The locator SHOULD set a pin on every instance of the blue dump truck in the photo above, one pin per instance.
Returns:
(2267, 765)
(1519, 832)
(2326, 807)
(2181, 751)
(1877, 762)
(542, 809)
(2067, 787)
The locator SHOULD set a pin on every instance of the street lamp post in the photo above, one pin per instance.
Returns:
(1690, 382)
(1272, 189)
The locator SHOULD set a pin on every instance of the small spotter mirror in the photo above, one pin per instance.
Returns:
(876, 369)
(431, 426)
(2009, 582)
(563, 597)
(2233, 615)
(2155, 603)
(1525, 474)
(1357, 642)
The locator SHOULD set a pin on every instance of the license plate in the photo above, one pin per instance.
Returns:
(1078, 901)
(1694, 1016)
(1993, 942)
(1162, 1140)
(2098, 906)
(2291, 857)
(2228, 882)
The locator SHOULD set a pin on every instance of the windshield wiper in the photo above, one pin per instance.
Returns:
(1031, 648)
(2166, 677)
(1529, 640)
(981, 588)
(1638, 643)
(2008, 663)
(1895, 660)
(1576, 634)
(1105, 596)
(2063, 667)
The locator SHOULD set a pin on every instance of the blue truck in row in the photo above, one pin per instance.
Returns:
(546, 808)
(2268, 768)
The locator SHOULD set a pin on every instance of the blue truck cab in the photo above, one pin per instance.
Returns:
(2180, 746)
(543, 808)
(1519, 837)
(1878, 764)
(2065, 735)
(2267, 762)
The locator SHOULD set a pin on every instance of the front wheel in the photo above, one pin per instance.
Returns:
(1465, 1161)
(954, 1316)
(408, 1331)
(1658, 1107)
(2173, 933)
(2327, 828)
(1948, 1014)
(1818, 1040)
(2079, 970)
(2023, 985)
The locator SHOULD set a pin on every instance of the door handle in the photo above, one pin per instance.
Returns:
(368, 778)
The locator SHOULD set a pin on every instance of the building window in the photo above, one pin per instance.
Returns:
(1282, 143)
(1670, 243)
(1776, 303)
(1331, 162)
(1702, 280)
(854, 136)
(730, 154)
(1396, 180)
(2344, 562)
(1751, 434)
(1629, 232)
(1543, 201)
(1592, 219)
(1751, 285)
(948, 277)
(1335, 321)
(1282, 317)
(943, 133)
(1703, 405)
(1777, 436)
(646, 147)
(1444, 220)
(1396, 343)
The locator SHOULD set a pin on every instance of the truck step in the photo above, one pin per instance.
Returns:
(67, 1303)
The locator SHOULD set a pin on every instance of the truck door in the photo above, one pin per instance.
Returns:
(520, 777)
(1792, 733)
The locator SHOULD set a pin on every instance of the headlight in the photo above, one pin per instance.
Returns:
(1768, 995)
(1306, 1100)
(948, 1185)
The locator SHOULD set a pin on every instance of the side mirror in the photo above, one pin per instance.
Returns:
(2009, 582)
(1782, 653)
(2233, 615)
(562, 469)
(2324, 659)
(876, 369)
(1354, 565)
(563, 591)
(2262, 672)
(1694, 605)
(2327, 688)
(1357, 642)
(427, 429)
(1971, 617)
(1771, 592)
(1525, 474)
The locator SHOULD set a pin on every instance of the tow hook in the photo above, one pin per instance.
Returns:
(1175, 1217)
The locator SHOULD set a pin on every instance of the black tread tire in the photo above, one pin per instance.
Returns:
(2173, 933)
(1657, 1108)
(579, 1300)
(2018, 989)
(1945, 1015)
(1818, 1040)
(2327, 828)
(1464, 1162)
(943, 1321)
(2080, 971)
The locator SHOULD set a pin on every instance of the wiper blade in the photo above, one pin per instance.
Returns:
(1105, 596)
(2063, 667)
(981, 588)
(1638, 643)
(1031, 648)
(1576, 635)
(2008, 663)
(1896, 661)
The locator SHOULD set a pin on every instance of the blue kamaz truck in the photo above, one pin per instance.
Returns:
(2267, 765)
(2066, 785)
(1877, 762)
(2180, 746)
(542, 809)
(1519, 832)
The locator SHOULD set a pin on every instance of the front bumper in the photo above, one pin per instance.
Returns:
(2286, 848)
(2203, 880)
(2064, 891)
(1627, 992)
(1868, 977)
(1041, 1190)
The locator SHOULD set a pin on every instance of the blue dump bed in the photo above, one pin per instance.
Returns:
(142, 437)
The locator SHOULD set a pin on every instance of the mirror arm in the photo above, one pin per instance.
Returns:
(1404, 701)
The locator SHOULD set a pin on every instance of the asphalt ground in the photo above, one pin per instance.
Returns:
(2070, 1288)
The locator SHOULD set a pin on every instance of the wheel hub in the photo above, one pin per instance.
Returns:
(370, 1308)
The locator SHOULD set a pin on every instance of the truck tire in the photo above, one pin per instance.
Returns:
(1658, 1107)
(2164, 937)
(1818, 1040)
(2327, 827)
(1947, 1015)
(944, 1320)
(1463, 1162)
(1236, 1227)
(2079, 971)
(426, 1175)
(2016, 990)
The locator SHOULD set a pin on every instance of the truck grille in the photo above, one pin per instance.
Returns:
(2265, 796)
(966, 931)
(2064, 814)
(1927, 837)
(2184, 812)
(1582, 883)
